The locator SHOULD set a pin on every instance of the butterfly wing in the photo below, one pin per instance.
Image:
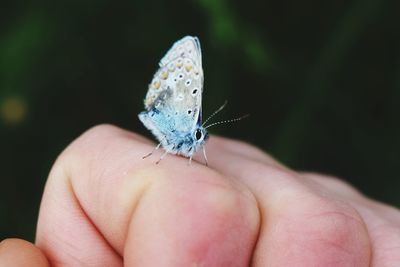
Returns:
(177, 86)
(188, 47)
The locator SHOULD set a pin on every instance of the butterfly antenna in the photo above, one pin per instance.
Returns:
(215, 112)
(227, 121)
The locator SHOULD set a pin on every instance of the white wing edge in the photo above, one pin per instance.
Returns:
(194, 39)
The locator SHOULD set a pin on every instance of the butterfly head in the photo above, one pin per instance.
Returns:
(200, 135)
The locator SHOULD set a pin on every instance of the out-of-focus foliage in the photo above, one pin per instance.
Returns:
(322, 78)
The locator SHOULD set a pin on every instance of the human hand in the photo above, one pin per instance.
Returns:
(104, 205)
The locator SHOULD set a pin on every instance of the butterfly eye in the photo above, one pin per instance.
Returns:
(194, 92)
(189, 111)
(198, 134)
(188, 82)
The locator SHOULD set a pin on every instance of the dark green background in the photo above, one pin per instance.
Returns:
(321, 80)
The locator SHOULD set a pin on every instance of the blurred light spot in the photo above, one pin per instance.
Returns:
(13, 110)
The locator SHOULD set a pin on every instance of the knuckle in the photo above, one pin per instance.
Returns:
(329, 232)
(224, 216)
(337, 224)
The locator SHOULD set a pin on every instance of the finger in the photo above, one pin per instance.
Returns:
(112, 204)
(231, 146)
(382, 221)
(301, 224)
(20, 253)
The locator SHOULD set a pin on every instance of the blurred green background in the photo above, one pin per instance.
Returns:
(321, 80)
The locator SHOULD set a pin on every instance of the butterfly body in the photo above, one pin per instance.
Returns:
(164, 127)
(173, 101)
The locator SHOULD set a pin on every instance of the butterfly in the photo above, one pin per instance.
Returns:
(173, 101)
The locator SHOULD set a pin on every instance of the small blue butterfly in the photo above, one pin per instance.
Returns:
(173, 101)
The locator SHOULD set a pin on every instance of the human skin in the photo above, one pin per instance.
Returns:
(104, 205)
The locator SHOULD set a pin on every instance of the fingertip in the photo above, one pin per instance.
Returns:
(18, 252)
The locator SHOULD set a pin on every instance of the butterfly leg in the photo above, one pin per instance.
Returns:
(148, 155)
(162, 156)
(205, 156)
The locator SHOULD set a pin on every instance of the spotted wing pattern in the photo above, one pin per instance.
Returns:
(176, 88)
